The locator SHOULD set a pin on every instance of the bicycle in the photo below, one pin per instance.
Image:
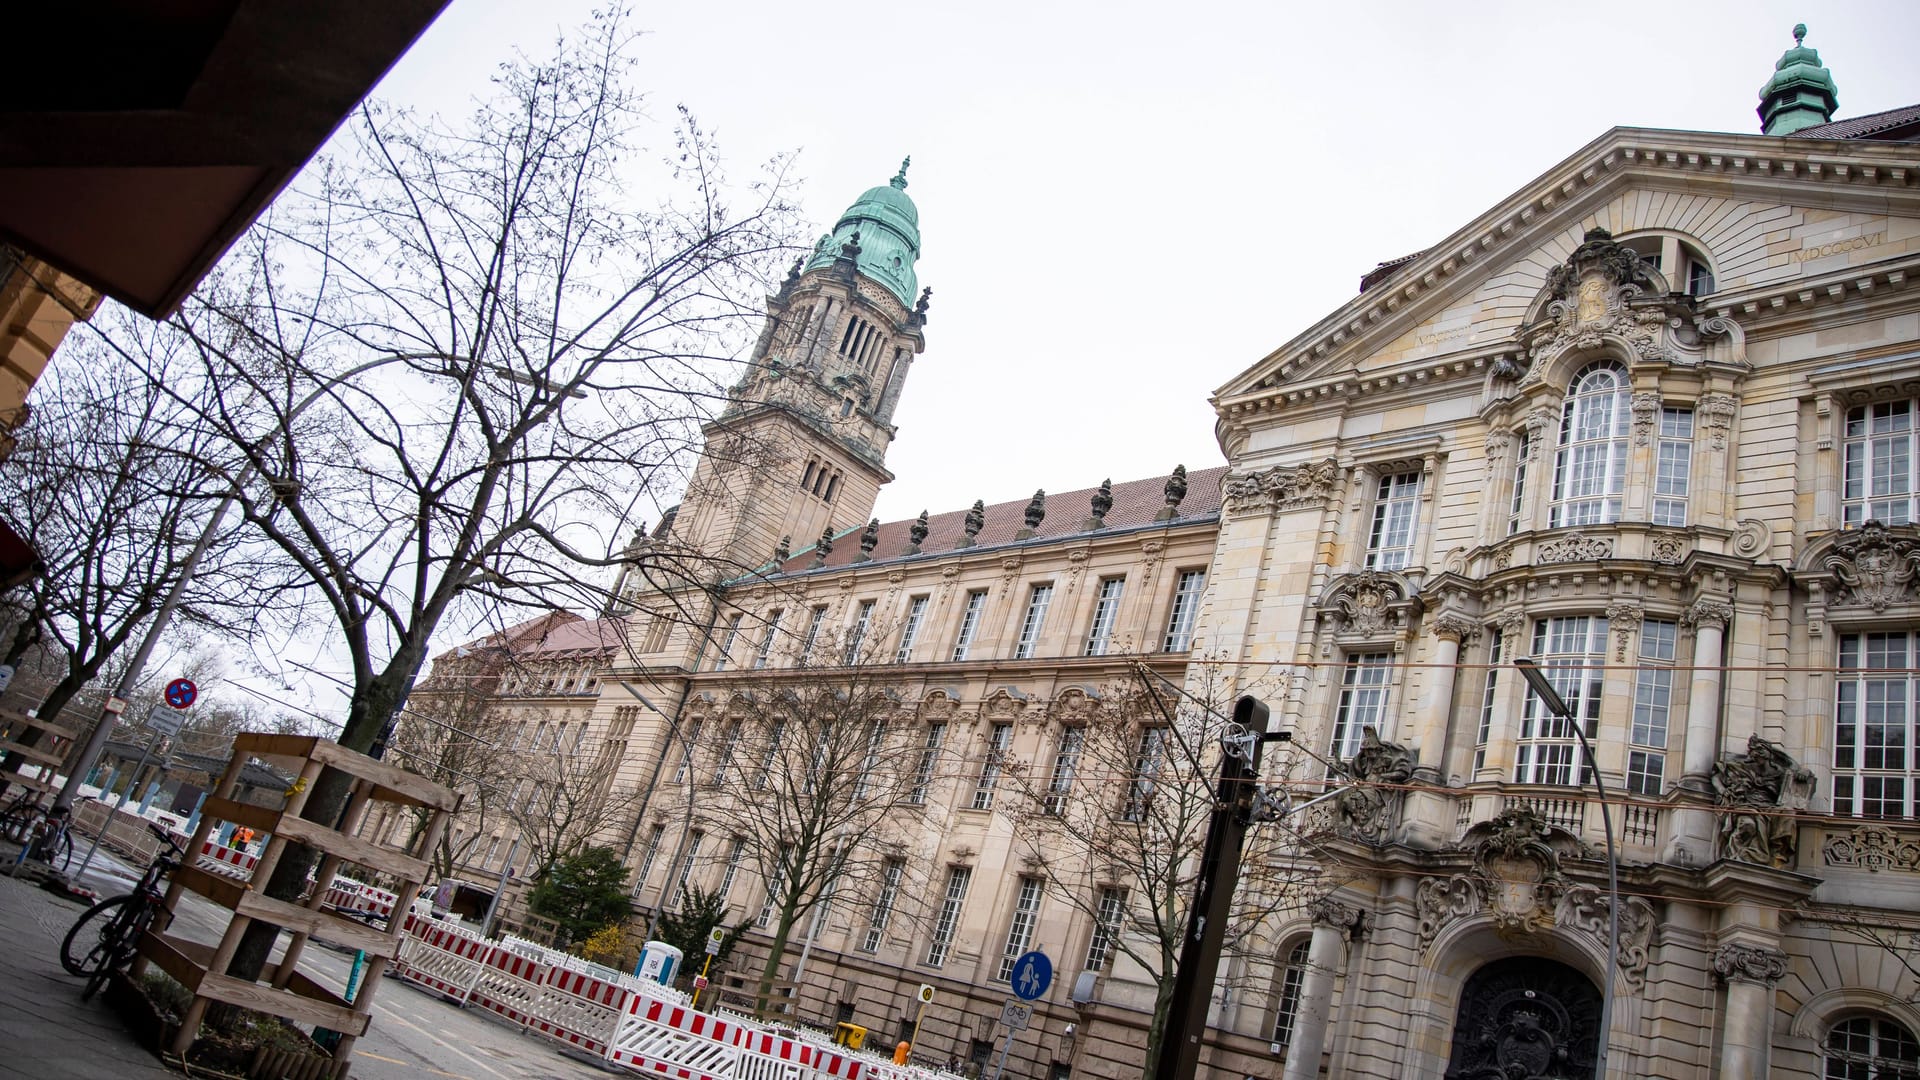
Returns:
(46, 835)
(103, 939)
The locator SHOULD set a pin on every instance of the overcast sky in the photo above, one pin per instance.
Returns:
(1124, 205)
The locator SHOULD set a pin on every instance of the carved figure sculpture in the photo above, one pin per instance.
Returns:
(1760, 793)
(917, 533)
(1369, 807)
(976, 520)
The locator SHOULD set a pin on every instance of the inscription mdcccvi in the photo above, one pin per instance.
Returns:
(1839, 247)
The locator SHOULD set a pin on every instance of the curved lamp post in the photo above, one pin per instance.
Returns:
(1557, 705)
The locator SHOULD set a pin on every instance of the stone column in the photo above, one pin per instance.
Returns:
(1326, 954)
(1749, 972)
(1429, 815)
(1709, 618)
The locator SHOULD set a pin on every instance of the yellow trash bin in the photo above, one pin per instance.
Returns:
(850, 1036)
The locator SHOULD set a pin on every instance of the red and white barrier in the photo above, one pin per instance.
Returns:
(348, 895)
(231, 862)
(442, 957)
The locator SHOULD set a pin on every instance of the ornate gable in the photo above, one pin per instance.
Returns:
(1869, 573)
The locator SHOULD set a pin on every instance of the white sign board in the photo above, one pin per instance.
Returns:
(1016, 1014)
(164, 720)
(715, 939)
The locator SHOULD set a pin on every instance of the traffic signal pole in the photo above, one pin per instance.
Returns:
(1213, 895)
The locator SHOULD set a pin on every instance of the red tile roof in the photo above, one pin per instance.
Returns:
(550, 636)
(1135, 503)
(1873, 125)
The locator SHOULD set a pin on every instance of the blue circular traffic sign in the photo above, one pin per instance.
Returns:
(181, 692)
(1032, 974)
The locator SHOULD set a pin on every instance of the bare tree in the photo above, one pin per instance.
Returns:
(547, 347)
(111, 482)
(814, 770)
(562, 799)
(1116, 819)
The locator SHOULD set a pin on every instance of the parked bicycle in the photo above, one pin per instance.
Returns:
(42, 833)
(105, 936)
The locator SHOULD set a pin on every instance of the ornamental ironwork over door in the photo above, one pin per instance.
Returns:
(1526, 1018)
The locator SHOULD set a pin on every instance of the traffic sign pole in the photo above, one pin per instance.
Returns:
(926, 998)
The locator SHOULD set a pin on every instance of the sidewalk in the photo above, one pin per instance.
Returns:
(47, 1032)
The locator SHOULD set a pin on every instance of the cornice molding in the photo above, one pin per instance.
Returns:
(1877, 173)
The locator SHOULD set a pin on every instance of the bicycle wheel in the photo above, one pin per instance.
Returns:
(62, 855)
(17, 824)
(89, 944)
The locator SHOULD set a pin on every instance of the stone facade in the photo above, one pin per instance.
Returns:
(1648, 421)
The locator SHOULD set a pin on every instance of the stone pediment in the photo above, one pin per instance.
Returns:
(1461, 303)
(1368, 606)
(1872, 572)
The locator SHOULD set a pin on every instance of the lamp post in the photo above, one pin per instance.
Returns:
(1543, 688)
(90, 753)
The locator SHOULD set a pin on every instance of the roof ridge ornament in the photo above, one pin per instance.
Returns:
(900, 178)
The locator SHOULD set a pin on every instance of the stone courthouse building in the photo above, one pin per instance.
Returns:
(1649, 421)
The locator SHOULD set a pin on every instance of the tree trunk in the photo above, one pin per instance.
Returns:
(775, 953)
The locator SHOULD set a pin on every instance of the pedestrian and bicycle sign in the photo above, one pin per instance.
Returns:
(1032, 974)
(181, 693)
(1016, 1015)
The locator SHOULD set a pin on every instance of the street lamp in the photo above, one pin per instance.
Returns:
(1543, 689)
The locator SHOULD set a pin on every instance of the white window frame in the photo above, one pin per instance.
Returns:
(1516, 507)
(1026, 915)
(654, 840)
(1596, 423)
(1110, 911)
(1149, 758)
(891, 870)
(1572, 652)
(694, 840)
(1066, 762)
(1673, 466)
(1366, 690)
(1496, 657)
(955, 898)
(1880, 472)
(1106, 611)
(1186, 611)
(1652, 726)
(1038, 600)
(734, 858)
(1869, 1048)
(1871, 681)
(999, 741)
(1286, 1008)
(857, 636)
(729, 745)
(814, 624)
(726, 647)
(1396, 518)
(929, 761)
(765, 651)
(969, 623)
(916, 614)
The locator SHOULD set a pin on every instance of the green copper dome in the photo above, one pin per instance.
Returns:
(887, 225)
(1801, 93)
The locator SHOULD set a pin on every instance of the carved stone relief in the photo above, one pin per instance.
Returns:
(1585, 908)
(1760, 794)
(1369, 808)
(1873, 567)
(1669, 550)
(1646, 409)
(1749, 963)
(1574, 548)
(1716, 417)
(1282, 487)
(1873, 848)
(1368, 604)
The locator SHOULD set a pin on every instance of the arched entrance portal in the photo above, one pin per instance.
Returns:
(1526, 1018)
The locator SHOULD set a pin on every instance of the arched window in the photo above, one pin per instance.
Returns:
(1871, 1048)
(1589, 472)
(1293, 976)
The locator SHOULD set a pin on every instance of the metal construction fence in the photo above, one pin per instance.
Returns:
(628, 1021)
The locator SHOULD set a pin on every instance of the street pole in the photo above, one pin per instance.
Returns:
(87, 860)
(1212, 906)
(499, 889)
(1543, 688)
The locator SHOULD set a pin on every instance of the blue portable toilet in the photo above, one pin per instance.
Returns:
(658, 962)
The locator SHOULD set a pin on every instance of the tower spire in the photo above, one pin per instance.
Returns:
(1801, 93)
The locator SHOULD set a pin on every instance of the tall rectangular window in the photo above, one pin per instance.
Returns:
(1873, 726)
(1396, 508)
(735, 856)
(1877, 471)
(686, 871)
(1496, 656)
(769, 754)
(1293, 979)
(998, 741)
(729, 745)
(1673, 471)
(869, 761)
(814, 623)
(1186, 611)
(969, 623)
(774, 889)
(1572, 653)
(1037, 602)
(1066, 760)
(687, 750)
(654, 839)
(727, 642)
(929, 762)
(1652, 706)
(948, 920)
(1522, 451)
(1108, 912)
(1106, 609)
(1363, 702)
(890, 873)
(1026, 913)
(766, 641)
(858, 635)
(1147, 761)
(916, 614)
